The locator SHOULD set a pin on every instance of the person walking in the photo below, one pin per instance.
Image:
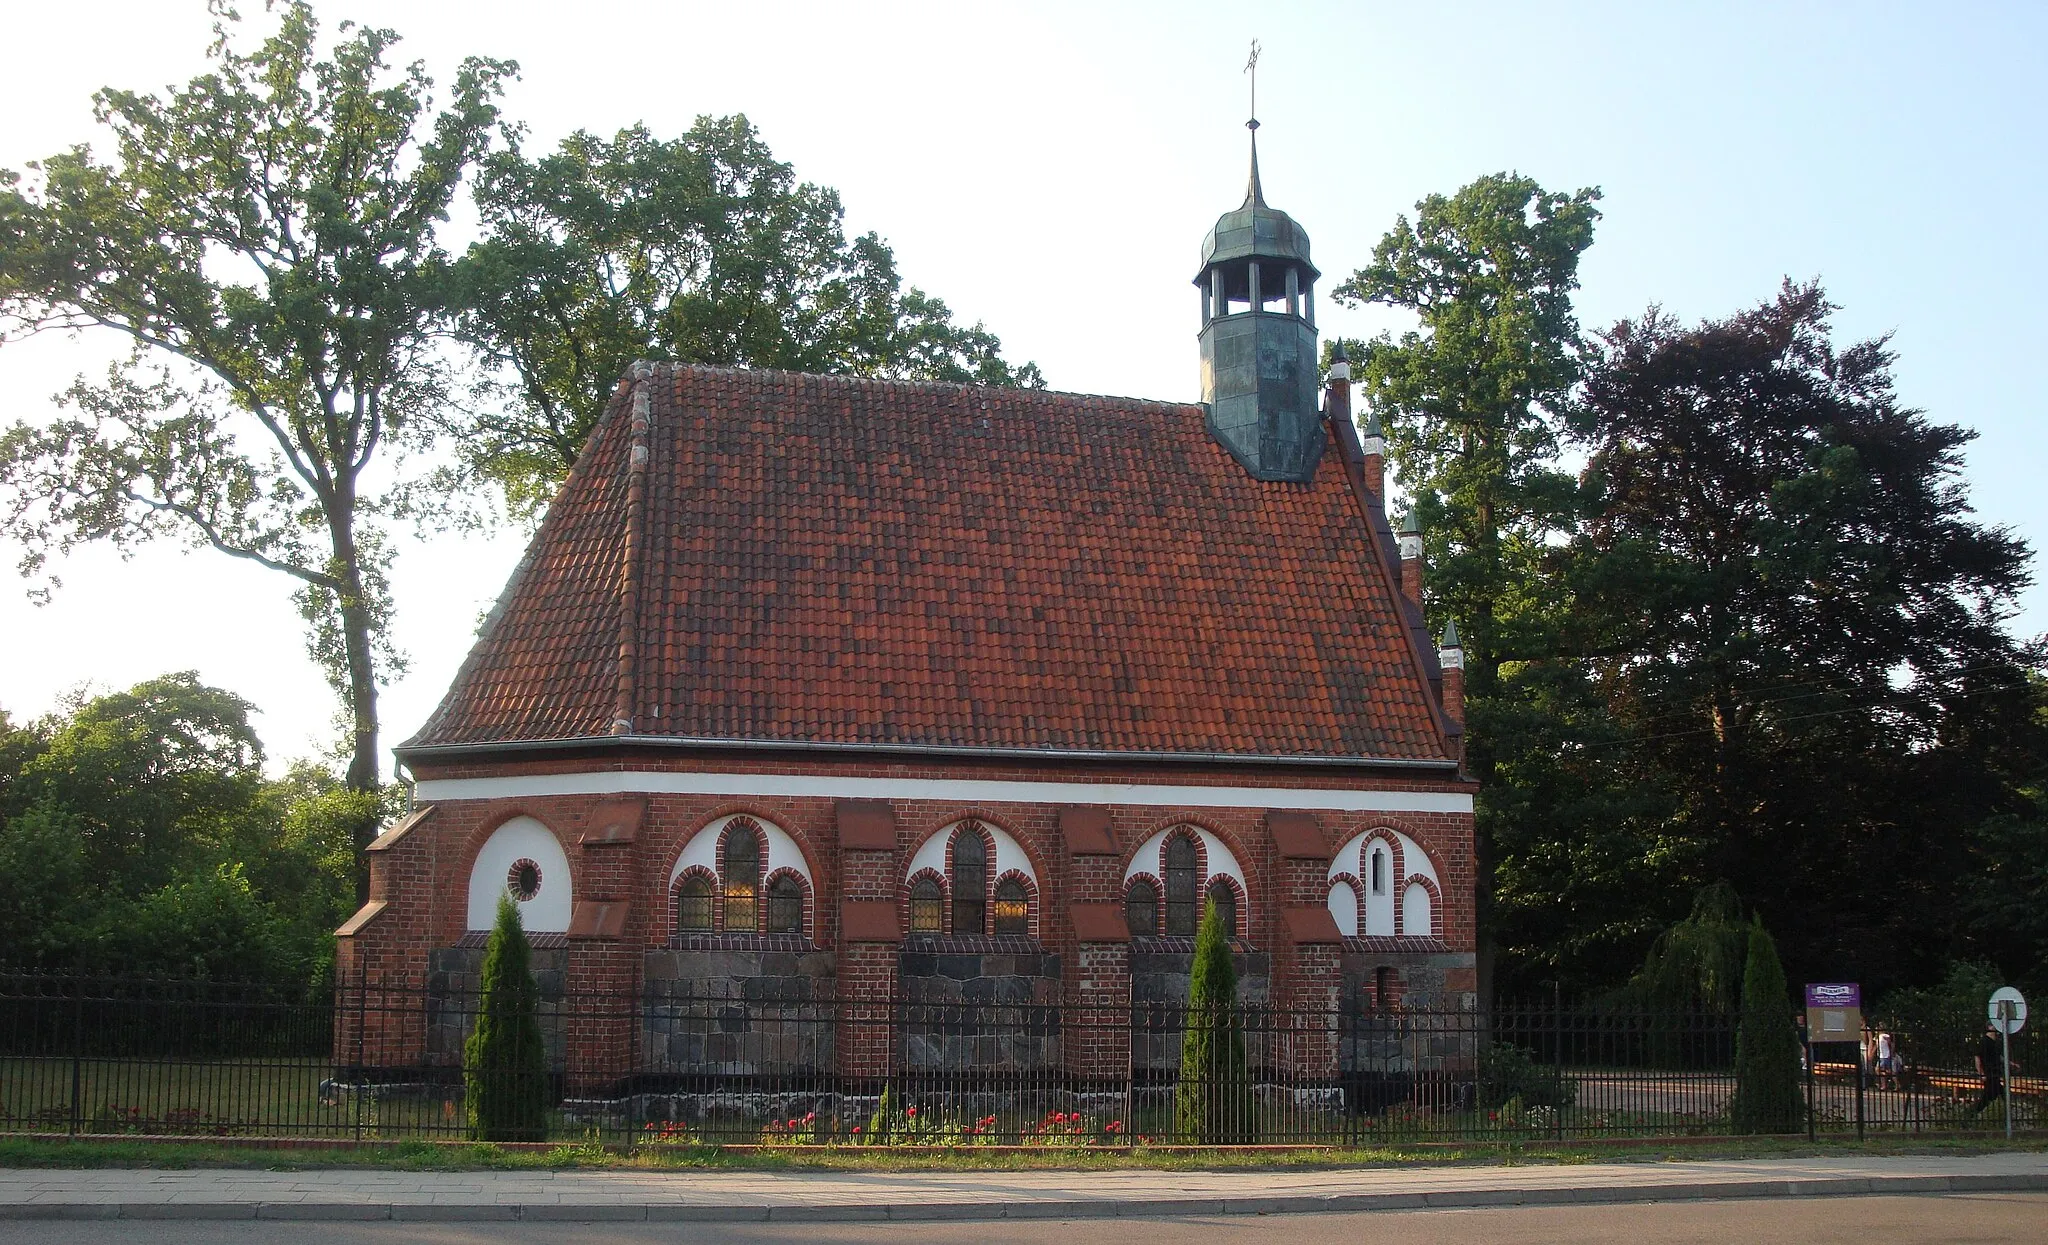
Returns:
(1990, 1066)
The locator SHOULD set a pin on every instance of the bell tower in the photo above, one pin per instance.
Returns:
(1259, 366)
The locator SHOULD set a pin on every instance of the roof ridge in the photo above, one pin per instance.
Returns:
(841, 379)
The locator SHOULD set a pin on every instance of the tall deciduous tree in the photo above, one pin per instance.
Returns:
(700, 249)
(1813, 651)
(1472, 402)
(265, 238)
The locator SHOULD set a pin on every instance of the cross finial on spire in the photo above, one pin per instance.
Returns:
(1251, 66)
(1254, 195)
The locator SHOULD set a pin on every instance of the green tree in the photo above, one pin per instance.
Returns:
(1767, 1097)
(138, 835)
(265, 239)
(504, 1063)
(700, 249)
(1472, 402)
(152, 779)
(1212, 1100)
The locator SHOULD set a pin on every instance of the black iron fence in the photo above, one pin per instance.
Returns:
(371, 1061)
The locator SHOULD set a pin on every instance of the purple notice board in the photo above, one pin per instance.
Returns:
(1835, 994)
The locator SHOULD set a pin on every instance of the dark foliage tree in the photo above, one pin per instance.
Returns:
(699, 249)
(1767, 1092)
(265, 240)
(1807, 624)
(1471, 402)
(1212, 1100)
(504, 1063)
(1697, 965)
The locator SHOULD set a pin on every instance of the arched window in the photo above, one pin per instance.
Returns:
(693, 904)
(927, 906)
(1225, 900)
(742, 878)
(1013, 907)
(1141, 909)
(785, 905)
(970, 882)
(1379, 869)
(1180, 886)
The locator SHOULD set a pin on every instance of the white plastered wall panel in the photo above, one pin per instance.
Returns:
(782, 851)
(1150, 858)
(522, 838)
(1415, 911)
(1370, 857)
(931, 854)
(1344, 906)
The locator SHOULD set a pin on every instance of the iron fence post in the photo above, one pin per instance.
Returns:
(1809, 1088)
(1859, 1095)
(77, 1041)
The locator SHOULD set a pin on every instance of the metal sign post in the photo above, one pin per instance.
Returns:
(2008, 1015)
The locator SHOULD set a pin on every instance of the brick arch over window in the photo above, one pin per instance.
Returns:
(926, 893)
(521, 838)
(939, 854)
(693, 901)
(1213, 859)
(708, 850)
(787, 905)
(1144, 898)
(1221, 886)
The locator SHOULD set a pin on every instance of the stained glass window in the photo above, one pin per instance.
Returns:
(1180, 886)
(693, 904)
(1013, 908)
(742, 878)
(927, 907)
(785, 906)
(1141, 909)
(970, 881)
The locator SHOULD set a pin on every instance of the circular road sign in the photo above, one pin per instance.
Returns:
(2008, 1010)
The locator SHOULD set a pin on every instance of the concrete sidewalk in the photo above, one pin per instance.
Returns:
(813, 1196)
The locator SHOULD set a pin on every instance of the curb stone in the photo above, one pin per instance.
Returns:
(1049, 1208)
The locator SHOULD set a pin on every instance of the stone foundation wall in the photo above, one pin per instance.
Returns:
(454, 994)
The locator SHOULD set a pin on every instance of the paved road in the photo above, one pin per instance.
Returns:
(1953, 1219)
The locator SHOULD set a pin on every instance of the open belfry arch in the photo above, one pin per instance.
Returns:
(880, 692)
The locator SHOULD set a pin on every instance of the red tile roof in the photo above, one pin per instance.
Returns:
(865, 562)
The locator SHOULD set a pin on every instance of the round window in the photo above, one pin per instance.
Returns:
(523, 880)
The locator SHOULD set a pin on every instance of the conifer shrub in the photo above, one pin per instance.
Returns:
(1212, 1102)
(1766, 1045)
(504, 1064)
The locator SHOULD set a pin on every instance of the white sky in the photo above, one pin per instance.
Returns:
(1050, 168)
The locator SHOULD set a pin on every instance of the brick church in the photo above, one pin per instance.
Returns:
(864, 690)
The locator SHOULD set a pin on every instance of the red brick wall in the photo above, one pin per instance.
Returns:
(423, 878)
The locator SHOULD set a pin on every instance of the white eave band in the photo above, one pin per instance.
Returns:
(963, 791)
